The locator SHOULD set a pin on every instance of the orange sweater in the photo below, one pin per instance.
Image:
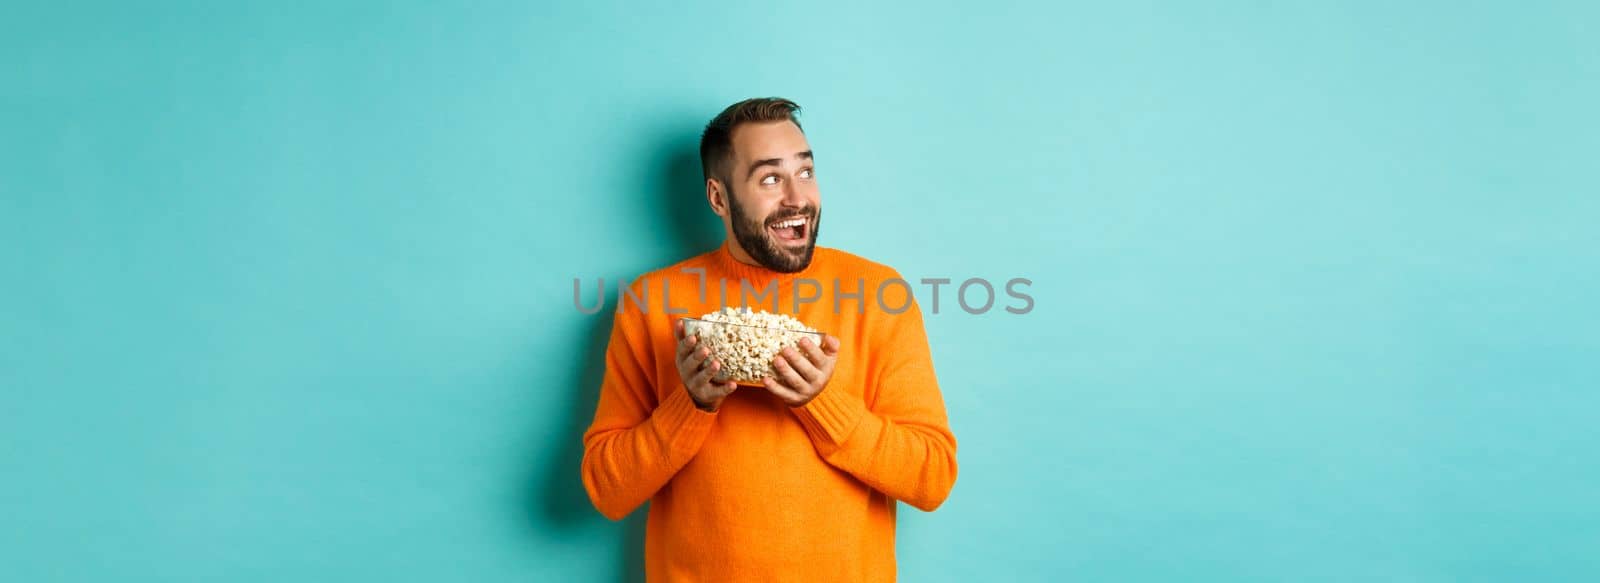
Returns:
(758, 491)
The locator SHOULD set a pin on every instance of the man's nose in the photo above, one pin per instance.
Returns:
(792, 197)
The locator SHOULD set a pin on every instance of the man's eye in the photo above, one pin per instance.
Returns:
(769, 179)
(806, 173)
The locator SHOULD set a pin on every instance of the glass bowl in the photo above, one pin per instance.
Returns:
(745, 351)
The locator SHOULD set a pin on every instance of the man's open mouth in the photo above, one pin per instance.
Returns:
(790, 231)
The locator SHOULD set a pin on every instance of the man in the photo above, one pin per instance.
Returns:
(795, 479)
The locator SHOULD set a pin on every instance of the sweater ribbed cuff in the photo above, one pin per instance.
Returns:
(830, 417)
(680, 425)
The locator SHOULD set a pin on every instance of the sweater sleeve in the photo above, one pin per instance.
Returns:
(901, 445)
(635, 444)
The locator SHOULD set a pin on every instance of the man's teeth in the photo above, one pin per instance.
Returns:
(789, 224)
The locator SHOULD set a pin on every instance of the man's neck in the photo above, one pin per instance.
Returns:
(739, 254)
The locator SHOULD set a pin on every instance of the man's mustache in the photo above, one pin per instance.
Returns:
(804, 213)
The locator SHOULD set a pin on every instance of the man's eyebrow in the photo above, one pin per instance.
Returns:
(806, 155)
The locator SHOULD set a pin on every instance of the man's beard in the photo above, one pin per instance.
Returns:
(756, 240)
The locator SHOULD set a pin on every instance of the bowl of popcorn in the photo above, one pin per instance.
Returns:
(745, 341)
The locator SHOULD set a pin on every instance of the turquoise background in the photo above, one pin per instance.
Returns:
(287, 287)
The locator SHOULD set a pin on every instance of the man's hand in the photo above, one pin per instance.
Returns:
(696, 369)
(802, 373)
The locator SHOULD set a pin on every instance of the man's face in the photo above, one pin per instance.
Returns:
(773, 202)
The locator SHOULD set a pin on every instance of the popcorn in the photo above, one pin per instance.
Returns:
(746, 341)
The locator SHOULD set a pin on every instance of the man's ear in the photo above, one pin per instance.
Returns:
(717, 197)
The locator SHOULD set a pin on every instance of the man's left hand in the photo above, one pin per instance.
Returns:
(802, 372)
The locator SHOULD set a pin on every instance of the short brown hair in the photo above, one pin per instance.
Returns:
(716, 144)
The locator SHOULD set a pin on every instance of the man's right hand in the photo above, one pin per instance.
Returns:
(696, 369)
